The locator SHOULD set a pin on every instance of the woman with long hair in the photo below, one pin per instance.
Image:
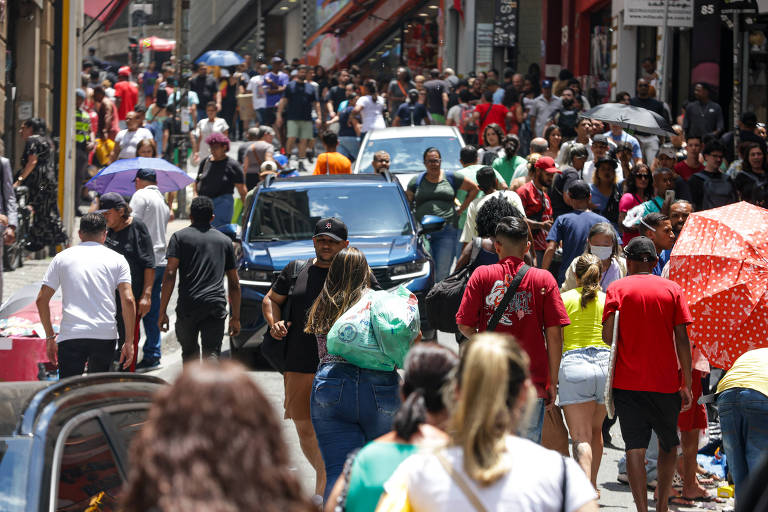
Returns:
(350, 406)
(486, 466)
(584, 366)
(157, 114)
(606, 193)
(370, 107)
(493, 138)
(39, 173)
(554, 138)
(207, 438)
(508, 162)
(419, 422)
(601, 242)
(752, 182)
(637, 190)
(146, 148)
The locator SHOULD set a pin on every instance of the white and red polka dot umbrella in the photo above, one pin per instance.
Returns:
(721, 261)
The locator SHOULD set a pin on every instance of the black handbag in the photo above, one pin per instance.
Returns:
(274, 351)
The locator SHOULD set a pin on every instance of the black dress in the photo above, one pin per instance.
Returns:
(46, 229)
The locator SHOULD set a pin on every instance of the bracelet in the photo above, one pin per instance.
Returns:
(51, 337)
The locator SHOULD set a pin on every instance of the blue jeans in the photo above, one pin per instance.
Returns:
(442, 246)
(151, 330)
(223, 209)
(744, 422)
(532, 431)
(350, 406)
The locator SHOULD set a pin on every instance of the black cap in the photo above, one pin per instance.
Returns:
(111, 200)
(579, 190)
(331, 227)
(641, 248)
(606, 160)
(146, 175)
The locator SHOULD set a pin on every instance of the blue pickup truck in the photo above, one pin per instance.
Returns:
(279, 225)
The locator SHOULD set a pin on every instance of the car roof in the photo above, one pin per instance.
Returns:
(14, 397)
(433, 130)
(324, 180)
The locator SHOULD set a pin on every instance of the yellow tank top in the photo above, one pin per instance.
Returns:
(586, 328)
(749, 371)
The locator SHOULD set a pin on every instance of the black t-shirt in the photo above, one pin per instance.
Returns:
(205, 87)
(649, 104)
(301, 349)
(217, 178)
(336, 94)
(752, 188)
(205, 255)
(300, 97)
(135, 244)
(435, 90)
(559, 185)
(567, 119)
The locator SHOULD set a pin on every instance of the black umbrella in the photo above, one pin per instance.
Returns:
(627, 116)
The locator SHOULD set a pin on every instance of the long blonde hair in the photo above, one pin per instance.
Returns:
(487, 409)
(587, 271)
(348, 277)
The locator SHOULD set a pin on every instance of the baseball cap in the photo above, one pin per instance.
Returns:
(600, 139)
(277, 58)
(546, 84)
(124, 71)
(111, 200)
(667, 149)
(641, 248)
(268, 166)
(749, 119)
(579, 190)
(546, 163)
(147, 175)
(331, 227)
(606, 160)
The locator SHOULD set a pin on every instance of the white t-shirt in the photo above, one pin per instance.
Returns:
(454, 113)
(149, 206)
(256, 86)
(204, 129)
(88, 275)
(372, 113)
(470, 225)
(533, 483)
(128, 141)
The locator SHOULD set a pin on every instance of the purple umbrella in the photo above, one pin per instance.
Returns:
(119, 176)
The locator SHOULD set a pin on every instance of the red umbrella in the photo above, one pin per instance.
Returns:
(721, 262)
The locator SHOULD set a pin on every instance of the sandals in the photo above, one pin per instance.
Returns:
(680, 501)
(704, 499)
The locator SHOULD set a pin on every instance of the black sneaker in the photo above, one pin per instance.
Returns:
(147, 365)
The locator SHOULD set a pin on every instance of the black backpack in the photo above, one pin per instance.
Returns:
(716, 192)
(443, 300)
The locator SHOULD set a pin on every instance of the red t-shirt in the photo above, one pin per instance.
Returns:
(539, 208)
(535, 306)
(498, 115)
(128, 92)
(685, 172)
(650, 308)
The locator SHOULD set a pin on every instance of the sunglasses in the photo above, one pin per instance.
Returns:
(643, 176)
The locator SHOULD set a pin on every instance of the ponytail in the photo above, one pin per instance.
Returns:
(588, 272)
(411, 414)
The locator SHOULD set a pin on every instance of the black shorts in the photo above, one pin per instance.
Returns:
(640, 412)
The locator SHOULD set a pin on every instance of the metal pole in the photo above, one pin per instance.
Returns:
(664, 46)
(736, 80)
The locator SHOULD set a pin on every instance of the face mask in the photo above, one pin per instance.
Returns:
(604, 253)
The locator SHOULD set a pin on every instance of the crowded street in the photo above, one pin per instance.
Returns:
(392, 256)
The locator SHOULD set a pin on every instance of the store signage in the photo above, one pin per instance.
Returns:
(505, 23)
(484, 46)
(651, 13)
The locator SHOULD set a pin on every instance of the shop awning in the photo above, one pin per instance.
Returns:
(106, 11)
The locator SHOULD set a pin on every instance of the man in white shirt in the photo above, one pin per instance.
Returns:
(148, 205)
(88, 274)
(206, 127)
(256, 87)
(127, 139)
(487, 182)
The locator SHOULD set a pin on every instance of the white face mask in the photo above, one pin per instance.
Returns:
(602, 252)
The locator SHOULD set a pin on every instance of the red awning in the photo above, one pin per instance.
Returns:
(106, 11)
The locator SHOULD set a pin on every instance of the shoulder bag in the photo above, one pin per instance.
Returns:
(462, 483)
(274, 351)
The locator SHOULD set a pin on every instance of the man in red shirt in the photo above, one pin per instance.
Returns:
(538, 207)
(126, 94)
(646, 385)
(488, 112)
(691, 165)
(535, 312)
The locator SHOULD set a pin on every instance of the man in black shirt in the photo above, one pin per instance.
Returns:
(437, 97)
(649, 144)
(299, 99)
(206, 89)
(337, 93)
(203, 256)
(567, 116)
(711, 188)
(703, 116)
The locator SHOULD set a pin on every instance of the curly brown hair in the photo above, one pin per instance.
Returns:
(212, 443)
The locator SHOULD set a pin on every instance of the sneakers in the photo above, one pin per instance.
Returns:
(147, 365)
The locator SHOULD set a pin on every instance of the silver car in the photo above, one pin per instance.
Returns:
(406, 145)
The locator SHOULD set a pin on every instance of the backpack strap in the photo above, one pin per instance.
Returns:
(513, 286)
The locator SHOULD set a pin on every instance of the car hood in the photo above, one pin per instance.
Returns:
(379, 251)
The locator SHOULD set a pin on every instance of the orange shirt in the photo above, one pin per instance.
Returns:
(332, 163)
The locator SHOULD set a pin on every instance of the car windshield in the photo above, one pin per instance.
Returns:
(292, 214)
(14, 469)
(407, 153)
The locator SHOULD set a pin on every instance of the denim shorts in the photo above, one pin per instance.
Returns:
(582, 375)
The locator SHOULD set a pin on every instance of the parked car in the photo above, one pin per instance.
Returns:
(64, 444)
(406, 145)
(281, 222)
